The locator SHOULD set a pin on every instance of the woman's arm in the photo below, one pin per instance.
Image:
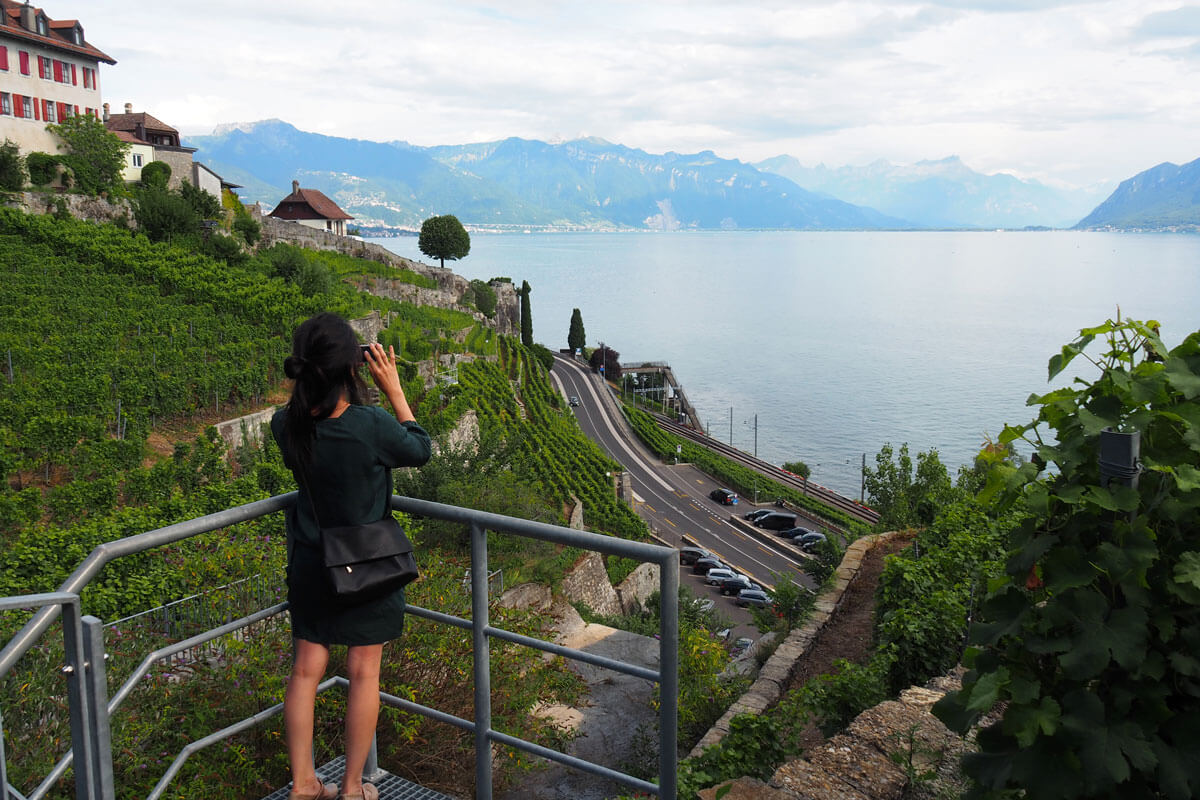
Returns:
(382, 365)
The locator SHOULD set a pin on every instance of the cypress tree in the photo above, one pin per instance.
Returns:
(576, 339)
(526, 318)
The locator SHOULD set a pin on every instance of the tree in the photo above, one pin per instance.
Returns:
(526, 316)
(444, 238)
(904, 498)
(95, 155)
(576, 339)
(12, 168)
(607, 358)
(157, 174)
(798, 468)
(485, 298)
(1090, 640)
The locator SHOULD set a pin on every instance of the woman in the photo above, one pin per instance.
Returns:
(342, 453)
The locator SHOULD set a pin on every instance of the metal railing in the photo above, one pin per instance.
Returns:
(90, 707)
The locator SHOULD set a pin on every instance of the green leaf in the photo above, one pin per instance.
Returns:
(1059, 362)
(1187, 573)
(1024, 723)
(1187, 477)
(1093, 424)
(986, 690)
(1182, 378)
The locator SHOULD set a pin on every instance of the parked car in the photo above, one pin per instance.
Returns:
(704, 605)
(573, 400)
(753, 597)
(756, 513)
(736, 584)
(702, 565)
(724, 497)
(792, 533)
(776, 521)
(808, 540)
(718, 574)
(688, 555)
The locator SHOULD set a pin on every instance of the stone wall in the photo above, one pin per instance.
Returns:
(775, 675)
(237, 432)
(89, 209)
(588, 583)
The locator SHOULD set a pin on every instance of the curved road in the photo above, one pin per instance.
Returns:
(672, 499)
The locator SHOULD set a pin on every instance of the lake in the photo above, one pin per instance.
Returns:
(822, 346)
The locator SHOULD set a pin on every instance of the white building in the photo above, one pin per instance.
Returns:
(48, 72)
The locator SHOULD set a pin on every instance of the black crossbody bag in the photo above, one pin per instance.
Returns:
(365, 562)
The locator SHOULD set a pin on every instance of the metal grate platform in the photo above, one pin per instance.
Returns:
(390, 786)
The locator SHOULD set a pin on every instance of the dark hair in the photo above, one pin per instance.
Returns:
(324, 364)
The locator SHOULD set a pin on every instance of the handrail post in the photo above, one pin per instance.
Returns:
(78, 701)
(483, 667)
(668, 723)
(95, 685)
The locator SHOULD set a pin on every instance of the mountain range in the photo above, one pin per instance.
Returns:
(592, 184)
(1166, 196)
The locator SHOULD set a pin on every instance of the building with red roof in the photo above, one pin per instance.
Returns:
(312, 208)
(48, 72)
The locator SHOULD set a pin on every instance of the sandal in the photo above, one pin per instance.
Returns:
(328, 791)
(369, 792)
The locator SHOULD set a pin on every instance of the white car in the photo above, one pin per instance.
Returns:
(715, 576)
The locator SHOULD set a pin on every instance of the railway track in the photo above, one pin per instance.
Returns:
(831, 498)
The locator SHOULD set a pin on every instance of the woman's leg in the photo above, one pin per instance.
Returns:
(362, 711)
(308, 667)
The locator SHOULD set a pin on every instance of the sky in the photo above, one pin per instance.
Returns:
(1072, 93)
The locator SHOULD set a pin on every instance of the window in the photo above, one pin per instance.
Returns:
(48, 111)
(27, 106)
(44, 69)
(137, 159)
(24, 58)
(5, 103)
(42, 28)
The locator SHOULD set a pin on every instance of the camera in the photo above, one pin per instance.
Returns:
(362, 353)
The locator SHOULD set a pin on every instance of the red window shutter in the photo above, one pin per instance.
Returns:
(62, 111)
(58, 65)
(77, 111)
(18, 106)
(3, 57)
(24, 58)
(87, 78)
(74, 77)
(37, 110)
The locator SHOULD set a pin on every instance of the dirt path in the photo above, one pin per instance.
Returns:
(848, 633)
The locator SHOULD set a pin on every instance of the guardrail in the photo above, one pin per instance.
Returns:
(90, 707)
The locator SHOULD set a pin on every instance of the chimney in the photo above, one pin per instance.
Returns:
(295, 187)
(105, 117)
(129, 108)
(29, 17)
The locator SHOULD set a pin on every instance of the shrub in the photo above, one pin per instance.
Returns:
(12, 167)
(43, 168)
(1090, 638)
(162, 214)
(156, 174)
(485, 298)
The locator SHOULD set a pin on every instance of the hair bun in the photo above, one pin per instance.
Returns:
(293, 366)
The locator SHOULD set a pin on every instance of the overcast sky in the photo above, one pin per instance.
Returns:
(1071, 92)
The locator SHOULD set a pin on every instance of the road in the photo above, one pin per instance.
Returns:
(672, 499)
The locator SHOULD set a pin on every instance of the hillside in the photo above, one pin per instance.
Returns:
(1165, 197)
(517, 183)
(941, 194)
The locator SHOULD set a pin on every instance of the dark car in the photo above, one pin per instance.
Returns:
(806, 540)
(573, 400)
(688, 555)
(701, 566)
(756, 513)
(736, 584)
(792, 533)
(776, 521)
(724, 497)
(753, 597)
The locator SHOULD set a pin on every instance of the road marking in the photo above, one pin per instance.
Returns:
(669, 522)
(647, 505)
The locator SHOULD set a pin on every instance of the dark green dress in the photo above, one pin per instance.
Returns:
(350, 481)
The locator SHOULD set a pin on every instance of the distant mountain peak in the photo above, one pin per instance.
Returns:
(248, 127)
